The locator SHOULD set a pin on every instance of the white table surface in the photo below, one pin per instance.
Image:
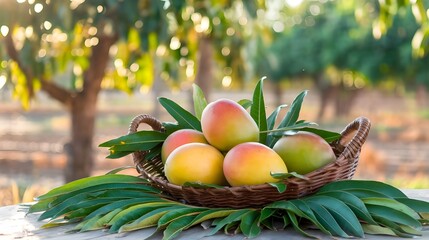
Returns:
(15, 224)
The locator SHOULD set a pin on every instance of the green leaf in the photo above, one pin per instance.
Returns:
(115, 155)
(390, 203)
(341, 212)
(88, 182)
(353, 202)
(377, 230)
(249, 224)
(288, 175)
(134, 147)
(245, 103)
(257, 111)
(327, 220)
(295, 225)
(132, 213)
(171, 127)
(140, 137)
(280, 186)
(211, 214)
(200, 101)
(184, 210)
(363, 193)
(119, 169)
(40, 206)
(415, 204)
(308, 214)
(327, 135)
(293, 114)
(375, 186)
(182, 116)
(393, 215)
(279, 132)
(176, 227)
(271, 120)
(149, 219)
(397, 229)
(266, 213)
(235, 216)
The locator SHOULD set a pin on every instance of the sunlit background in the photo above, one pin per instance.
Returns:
(74, 73)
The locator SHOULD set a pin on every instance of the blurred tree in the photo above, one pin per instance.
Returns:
(116, 44)
(78, 39)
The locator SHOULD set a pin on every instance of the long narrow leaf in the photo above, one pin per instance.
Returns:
(200, 101)
(293, 114)
(176, 227)
(257, 111)
(249, 224)
(327, 220)
(182, 116)
(376, 186)
(391, 203)
(90, 181)
(137, 137)
(394, 216)
(271, 121)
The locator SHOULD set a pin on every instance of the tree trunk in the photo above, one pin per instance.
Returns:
(83, 112)
(204, 77)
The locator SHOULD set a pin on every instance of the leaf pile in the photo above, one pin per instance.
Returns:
(122, 203)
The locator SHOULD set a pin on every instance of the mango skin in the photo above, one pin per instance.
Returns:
(251, 164)
(179, 138)
(304, 152)
(226, 124)
(195, 162)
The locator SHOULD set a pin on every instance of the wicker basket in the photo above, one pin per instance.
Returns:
(347, 150)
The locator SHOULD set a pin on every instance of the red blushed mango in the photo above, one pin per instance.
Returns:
(251, 164)
(195, 162)
(179, 138)
(226, 124)
(304, 152)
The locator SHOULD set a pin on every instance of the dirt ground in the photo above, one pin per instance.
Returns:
(31, 142)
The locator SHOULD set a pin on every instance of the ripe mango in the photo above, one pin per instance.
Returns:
(179, 138)
(251, 164)
(304, 152)
(195, 162)
(226, 124)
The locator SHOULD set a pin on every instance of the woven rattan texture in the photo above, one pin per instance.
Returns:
(347, 150)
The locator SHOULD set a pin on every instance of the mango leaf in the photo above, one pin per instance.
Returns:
(390, 203)
(235, 216)
(182, 116)
(353, 202)
(293, 114)
(257, 111)
(176, 227)
(396, 228)
(184, 210)
(394, 215)
(415, 204)
(280, 186)
(296, 226)
(279, 132)
(149, 219)
(327, 135)
(142, 137)
(249, 224)
(375, 186)
(119, 169)
(132, 213)
(308, 214)
(211, 214)
(288, 175)
(327, 220)
(377, 230)
(115, 155)
(343, 215)
(245, 103)
(88, 182)
(271, 120)
(171, 127)
(200, 101)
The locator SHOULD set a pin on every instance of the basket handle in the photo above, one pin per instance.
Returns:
(352, 138)
(134, 125)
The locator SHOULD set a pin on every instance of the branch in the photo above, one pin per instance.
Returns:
(56, 92)
(13, 54)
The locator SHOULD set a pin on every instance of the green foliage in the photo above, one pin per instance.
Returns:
(129, 203)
